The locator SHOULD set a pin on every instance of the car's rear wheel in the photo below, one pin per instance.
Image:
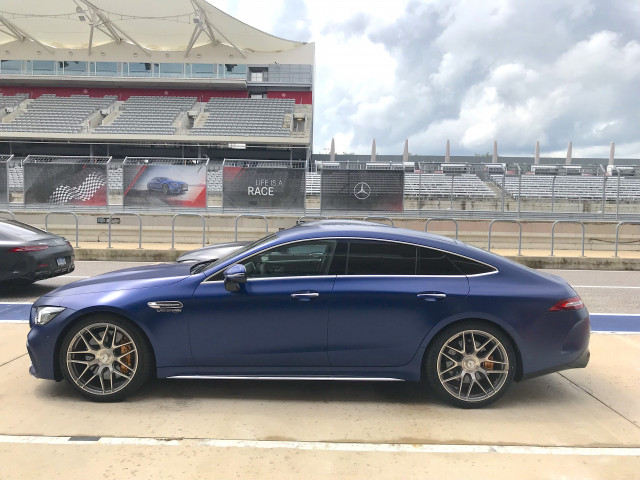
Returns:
(470, 364)
(105, 358)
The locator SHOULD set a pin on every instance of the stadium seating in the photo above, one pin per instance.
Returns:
(148, 115)
(12, 101)
(570, 187)
(438, 185)
(53, 114)
(247, 117)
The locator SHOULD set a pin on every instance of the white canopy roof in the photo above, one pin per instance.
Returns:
(151, 25)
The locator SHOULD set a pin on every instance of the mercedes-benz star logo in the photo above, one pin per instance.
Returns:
(362, 190)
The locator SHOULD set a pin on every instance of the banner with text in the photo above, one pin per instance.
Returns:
(362, 190)
(157, 185)
(74, 184)
(260, 187)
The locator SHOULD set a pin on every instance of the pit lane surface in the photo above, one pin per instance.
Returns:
(575, 424)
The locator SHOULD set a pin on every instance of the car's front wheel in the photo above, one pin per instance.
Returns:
(105, 358)
(470, 364)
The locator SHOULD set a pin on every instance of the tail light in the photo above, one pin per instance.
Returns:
(29, 248)
(573, 303)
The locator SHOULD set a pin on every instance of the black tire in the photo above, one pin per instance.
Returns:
(477, 377)
(121, 364)
(165, 189)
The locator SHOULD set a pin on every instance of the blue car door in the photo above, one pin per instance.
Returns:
(390, 295)
(278, 318)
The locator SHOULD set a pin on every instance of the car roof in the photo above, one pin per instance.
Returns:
(364, 229)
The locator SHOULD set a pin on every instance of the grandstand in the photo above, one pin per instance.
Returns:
(51, 114)
(247, 117)
(207, 86)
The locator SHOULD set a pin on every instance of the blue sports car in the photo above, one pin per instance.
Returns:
(322, 300)
(167, 185)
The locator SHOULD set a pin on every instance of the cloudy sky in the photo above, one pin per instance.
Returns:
(466, 70)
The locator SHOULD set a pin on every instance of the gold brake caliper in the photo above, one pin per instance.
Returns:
(127, 359)
(488, 364)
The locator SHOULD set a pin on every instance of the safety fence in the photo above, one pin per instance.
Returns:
(428, 190)
(507, 238)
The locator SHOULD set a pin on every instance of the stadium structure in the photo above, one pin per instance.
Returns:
(170, 78)
(172, 104)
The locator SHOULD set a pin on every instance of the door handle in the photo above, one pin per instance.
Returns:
(305, 296)
(432, 296)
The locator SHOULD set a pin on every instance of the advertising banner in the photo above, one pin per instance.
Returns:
(163, 185)
(73, 183)
(4, 182)
(362, 190)
(259, 187)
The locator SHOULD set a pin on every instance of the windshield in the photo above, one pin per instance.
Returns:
(234, 253)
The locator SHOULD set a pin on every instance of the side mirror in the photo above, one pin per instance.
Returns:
(234, 276)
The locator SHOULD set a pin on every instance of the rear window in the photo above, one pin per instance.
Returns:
(17, 229)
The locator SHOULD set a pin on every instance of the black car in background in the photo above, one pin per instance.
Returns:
(28, 254)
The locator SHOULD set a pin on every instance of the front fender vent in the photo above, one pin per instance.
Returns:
(166, 306)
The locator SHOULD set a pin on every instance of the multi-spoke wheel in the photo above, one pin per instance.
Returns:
(470, 365)
(105, 359)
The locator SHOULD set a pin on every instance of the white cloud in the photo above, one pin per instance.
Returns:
(550, 70)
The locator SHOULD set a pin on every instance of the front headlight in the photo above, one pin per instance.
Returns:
(45, 314)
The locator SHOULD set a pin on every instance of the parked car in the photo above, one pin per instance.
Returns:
(167, 185)
(325, 300)
(211, 253)
(28, 254)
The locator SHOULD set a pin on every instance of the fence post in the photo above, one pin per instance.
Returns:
(173, 224)
(426, 224)
(618, 231)
(553, 227)
(266, 223)
(46, 218)
(13, 217)
(139, 231)
(519, 234)
(379, 218)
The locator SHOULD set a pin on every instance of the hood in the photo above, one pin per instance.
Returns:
(147, 276)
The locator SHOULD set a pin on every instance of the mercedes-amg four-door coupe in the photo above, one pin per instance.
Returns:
(322, 300)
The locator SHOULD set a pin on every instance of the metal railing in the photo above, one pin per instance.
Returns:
(374, 218)
(266, 223)
(139, 232)
(519, 233)
(46, 223)
(173, 227)
(553, 227)
(618, 231)
(303, 218)
(13, 217)
(426, 224)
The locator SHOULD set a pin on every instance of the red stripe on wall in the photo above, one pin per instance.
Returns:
(304, 98)
(301, 98)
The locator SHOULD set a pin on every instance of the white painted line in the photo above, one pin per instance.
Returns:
(617, 314)
(605, 286)
(329, 446)
(77, 276)
(16, 303)
(13, 321)
(596, 332)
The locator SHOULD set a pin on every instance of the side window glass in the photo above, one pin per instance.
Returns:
(436, 262)
(471, 267)
(381, 258)
(291, 260)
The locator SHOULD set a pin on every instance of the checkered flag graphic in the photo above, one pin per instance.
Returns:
(82, 189)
